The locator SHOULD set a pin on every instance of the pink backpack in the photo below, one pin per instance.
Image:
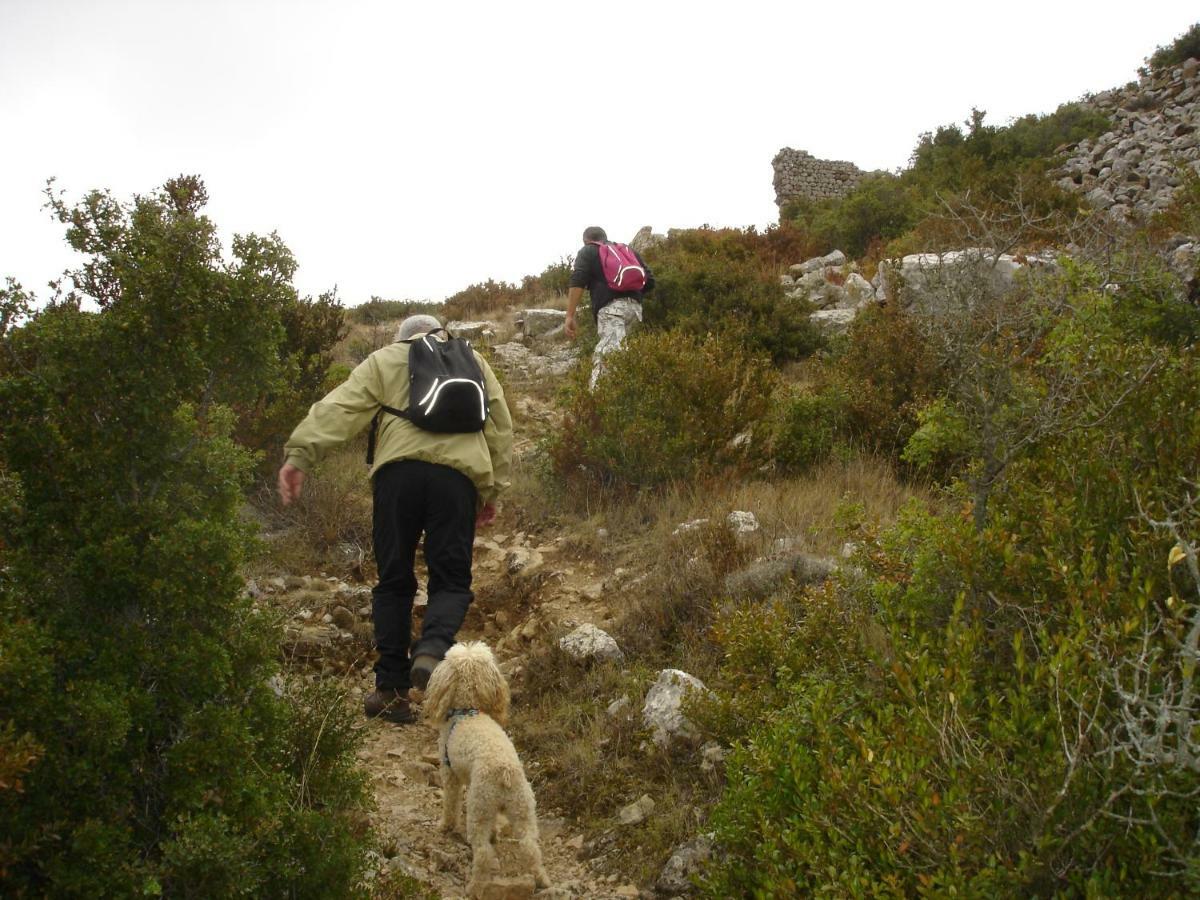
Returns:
(622, 269)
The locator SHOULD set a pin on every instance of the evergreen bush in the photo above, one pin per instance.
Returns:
(143, 747)
(806, 427)
(668, 407)
(709, 280)
(1183, 48)
(378, 311)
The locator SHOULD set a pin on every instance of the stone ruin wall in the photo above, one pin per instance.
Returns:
(801, 176)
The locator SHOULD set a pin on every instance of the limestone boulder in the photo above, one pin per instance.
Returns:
(475, 332)
(511, 355)
(742, 521)
(829, 260)
(857, 292)
(541, 322)
(645, 239)
(833, 321)
(589, 642)
(635, 813)
(687, 860)
(662, 711)
(919, 279)
(1185, 261)
(554, 364)
(310, 641)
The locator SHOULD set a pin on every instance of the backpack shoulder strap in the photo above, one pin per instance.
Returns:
(374, 432)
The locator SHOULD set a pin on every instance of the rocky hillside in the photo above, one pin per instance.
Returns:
(546, 588)
(1138, 165)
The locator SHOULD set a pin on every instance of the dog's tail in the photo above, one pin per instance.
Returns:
(507, 777)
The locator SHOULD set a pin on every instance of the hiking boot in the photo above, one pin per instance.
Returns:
(389, 704)
(422, 667)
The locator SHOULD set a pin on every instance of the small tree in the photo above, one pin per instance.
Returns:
(136, 719)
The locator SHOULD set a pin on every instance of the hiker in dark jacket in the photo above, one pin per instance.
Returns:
(616, 314)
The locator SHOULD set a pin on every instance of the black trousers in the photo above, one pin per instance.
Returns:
(411, 498)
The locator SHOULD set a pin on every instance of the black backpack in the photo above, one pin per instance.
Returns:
(446, 389)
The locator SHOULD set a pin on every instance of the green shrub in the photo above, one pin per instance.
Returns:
(884, 375)
(668, 407)
(942, 443)
(944, 718)
(708, 280)
(555, 277)
(482, 298)
(868, 393)
(985, 162)
(378, 311)
(807, 428)
(1183, 48)
(490, 296)
(311, 329)
(152, 753)
(880, 208)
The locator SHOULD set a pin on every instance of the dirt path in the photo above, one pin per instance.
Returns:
(528, 587)
(402, 762)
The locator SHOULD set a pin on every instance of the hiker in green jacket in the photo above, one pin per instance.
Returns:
(441, 485)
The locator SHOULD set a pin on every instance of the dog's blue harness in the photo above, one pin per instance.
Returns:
(453, 718)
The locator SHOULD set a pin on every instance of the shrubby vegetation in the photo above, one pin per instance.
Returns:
(988, 162)
(999, 698)
(1183, 48)
(726, 279)
(867, 396)
(668, 407)
(489, 296)
(377, 311)
(999, 695)
(145, 748)
(311, 328)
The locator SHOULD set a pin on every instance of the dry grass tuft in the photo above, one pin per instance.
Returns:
(329, 528)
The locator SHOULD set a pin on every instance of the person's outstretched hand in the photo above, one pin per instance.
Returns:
(486, 516)
(569, 327)
(291, 481)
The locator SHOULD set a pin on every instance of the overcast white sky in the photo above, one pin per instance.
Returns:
(407, 150)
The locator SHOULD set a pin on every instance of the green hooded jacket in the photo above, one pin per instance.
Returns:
(382, 379)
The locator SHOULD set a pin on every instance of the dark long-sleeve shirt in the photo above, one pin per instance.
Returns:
(588, 273)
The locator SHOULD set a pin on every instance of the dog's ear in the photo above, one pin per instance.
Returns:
(439, 693)
(494, 697)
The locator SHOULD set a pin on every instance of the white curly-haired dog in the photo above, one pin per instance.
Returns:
(467, 699)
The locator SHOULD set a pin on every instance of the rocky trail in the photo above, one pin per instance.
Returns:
(527, 587)
(403, 761)
(403, 765)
